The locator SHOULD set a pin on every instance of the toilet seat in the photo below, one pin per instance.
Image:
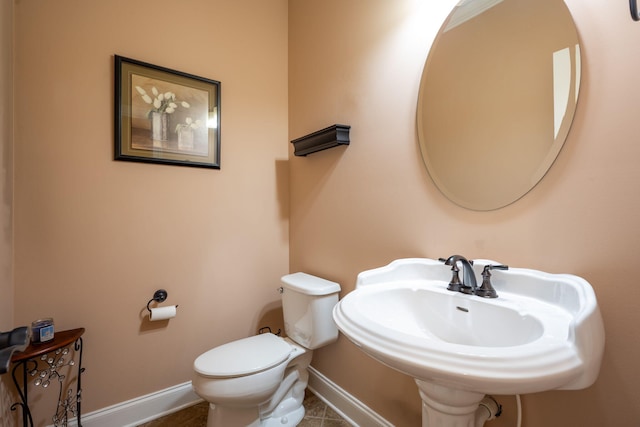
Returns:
(243, 357)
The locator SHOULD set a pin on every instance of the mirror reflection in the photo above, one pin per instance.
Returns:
(497, 98)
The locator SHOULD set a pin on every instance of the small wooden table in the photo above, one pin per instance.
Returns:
(38, 354)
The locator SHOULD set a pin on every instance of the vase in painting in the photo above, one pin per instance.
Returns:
(159, 126)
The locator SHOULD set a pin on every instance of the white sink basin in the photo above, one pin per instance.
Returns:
(543, 332)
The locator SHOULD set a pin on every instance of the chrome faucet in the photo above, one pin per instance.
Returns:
(468, 284)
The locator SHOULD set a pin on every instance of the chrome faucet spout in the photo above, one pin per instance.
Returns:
(469, 284)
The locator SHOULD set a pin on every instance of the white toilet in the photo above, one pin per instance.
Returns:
(260, 380)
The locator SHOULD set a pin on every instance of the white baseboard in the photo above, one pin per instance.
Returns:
(349, 408)
(151, 406)
(142, 409)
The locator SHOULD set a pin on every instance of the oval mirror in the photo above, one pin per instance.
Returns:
(497, 97)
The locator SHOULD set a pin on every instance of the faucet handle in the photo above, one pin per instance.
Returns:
(455, 284)
(486, 290)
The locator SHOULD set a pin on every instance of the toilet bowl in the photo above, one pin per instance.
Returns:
(260, 381)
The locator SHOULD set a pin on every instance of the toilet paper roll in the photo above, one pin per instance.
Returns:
(163, 313)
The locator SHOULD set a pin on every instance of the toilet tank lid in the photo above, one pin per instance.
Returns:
(245, 356)
(309, 285)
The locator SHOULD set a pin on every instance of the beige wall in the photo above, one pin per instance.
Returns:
(96, 237)
(6, 193)
(359, 63)
(6, 165)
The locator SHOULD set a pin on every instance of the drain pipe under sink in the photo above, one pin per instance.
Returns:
(488, 410)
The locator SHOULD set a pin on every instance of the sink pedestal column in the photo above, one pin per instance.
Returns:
(447, 407)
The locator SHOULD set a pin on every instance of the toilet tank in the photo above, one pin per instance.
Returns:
(307, 305)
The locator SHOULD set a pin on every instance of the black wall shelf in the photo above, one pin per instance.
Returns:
(330, 137)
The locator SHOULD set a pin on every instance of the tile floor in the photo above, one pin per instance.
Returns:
(317, 414)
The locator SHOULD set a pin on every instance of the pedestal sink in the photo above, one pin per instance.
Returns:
(543, 332)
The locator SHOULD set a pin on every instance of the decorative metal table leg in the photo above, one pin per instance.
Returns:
(78, 347)
(53, 356)
(27, 421)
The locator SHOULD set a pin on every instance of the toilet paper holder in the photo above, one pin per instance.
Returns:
(158, 296)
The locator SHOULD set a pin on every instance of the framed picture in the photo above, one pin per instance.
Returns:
(165, 116)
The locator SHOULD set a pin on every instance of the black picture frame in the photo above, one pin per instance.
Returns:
(635, 13)
(165, 116)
